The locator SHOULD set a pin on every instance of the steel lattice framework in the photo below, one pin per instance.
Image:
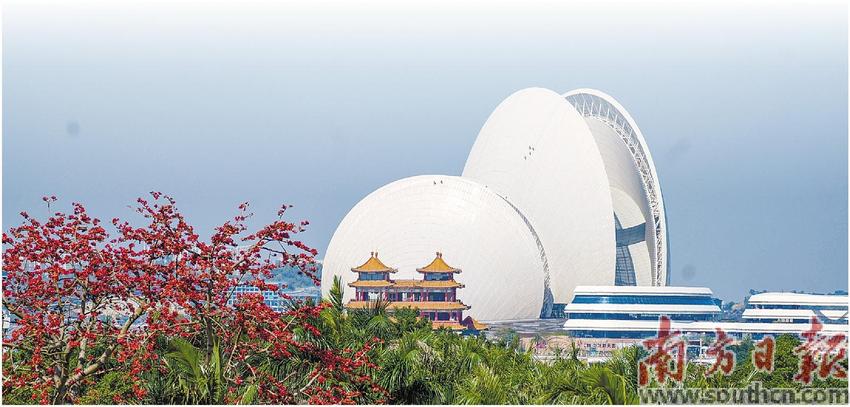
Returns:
(598, 105)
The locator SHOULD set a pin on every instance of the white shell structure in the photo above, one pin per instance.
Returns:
(503, 261)
(635, 189)
(558, 191)
(538, 152)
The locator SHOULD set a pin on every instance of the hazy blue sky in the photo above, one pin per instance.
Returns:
(744, 109)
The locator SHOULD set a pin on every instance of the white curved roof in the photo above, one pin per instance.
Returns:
(645, 290)
(631, 172)
(781, 298)
(751, 313)
(407, 221)
(537, 151)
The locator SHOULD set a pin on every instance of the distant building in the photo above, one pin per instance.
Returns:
(604, 317)
(632, 312)
(779, 307)
(291, 281)
(435, 296)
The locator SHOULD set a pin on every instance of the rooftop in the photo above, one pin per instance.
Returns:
(798, 299)
(453, 325)
(373, 265)
(438, 265)
(370, 283)
(421, 305)
(477, 325)
(427, 284)
(405, 284)
(645, 290)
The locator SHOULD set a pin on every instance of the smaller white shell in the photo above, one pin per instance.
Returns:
(407, 221)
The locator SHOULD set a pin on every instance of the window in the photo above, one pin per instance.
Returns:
(798, 306)
(644, 299)
(625, 270)
(641, 316)
(373, 276)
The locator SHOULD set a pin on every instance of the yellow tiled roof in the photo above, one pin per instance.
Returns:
(373, 265)
(438, 265)
(405, 284)
(421, 305)
(453, 325)
(478, 325)
(440, 284)
(427, 284)
(370, 283)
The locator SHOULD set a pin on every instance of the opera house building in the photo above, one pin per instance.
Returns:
(558, 191)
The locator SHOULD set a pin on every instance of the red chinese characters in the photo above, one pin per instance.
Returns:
(763, 354)
(667, 358)
(820, 354)
(724, 358)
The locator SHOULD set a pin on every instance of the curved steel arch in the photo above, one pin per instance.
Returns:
(601, 106)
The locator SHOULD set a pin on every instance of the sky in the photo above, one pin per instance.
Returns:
(743, 105)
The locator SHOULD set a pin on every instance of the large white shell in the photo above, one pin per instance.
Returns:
(537, 151)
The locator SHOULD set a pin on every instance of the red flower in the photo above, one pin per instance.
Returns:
(155, 282)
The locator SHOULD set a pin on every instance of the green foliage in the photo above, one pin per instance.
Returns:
(104, 391)
(194, 377)
(418, 365)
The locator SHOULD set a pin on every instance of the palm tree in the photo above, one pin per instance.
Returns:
(333, 322)
(408, 364)
(483, 387)
(624, 362)
(560, 384)
(607, 385)
(195, 377)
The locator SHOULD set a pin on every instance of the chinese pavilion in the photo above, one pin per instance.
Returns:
(435, 296)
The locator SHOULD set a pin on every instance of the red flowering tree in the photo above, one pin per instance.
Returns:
(84, 304)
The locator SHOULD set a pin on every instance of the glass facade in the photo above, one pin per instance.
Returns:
(643, 316)
(627, 309)
(625, 273)
(644, 299)
(796, 306)
(791, 319)
(558, 311)
(611, 320)
(625, 269)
